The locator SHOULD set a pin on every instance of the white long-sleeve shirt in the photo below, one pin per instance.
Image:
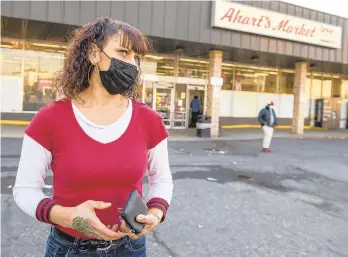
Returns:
(35, 162)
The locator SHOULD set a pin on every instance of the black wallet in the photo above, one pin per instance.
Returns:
(133, 207)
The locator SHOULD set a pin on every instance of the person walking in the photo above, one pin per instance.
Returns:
(268, 120)
(99, 141)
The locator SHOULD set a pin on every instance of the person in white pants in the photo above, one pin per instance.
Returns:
(268, 120)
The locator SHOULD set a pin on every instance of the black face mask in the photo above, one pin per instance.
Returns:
(120, 77)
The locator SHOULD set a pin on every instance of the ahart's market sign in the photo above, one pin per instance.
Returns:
(233, 16)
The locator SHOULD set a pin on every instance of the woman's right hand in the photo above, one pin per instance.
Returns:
(84, 219)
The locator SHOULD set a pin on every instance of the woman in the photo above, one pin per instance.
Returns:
(99, 141)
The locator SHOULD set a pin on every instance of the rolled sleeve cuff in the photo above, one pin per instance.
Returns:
(43, 210)
(159, 203)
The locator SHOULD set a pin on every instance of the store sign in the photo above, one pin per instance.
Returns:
(233, 16)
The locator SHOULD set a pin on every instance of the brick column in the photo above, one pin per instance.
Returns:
(299, 98)
(213, 91)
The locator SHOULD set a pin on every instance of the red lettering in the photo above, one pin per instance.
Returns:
(228, 15)
(260, 20)
(282, 25)
(253, 20)
(323, 29)
(245, 20)
(237, 17)
(303, 30)
(297, 30)
(268, 24)
(289, 29)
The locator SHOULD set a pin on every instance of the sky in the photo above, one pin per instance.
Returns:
(336, 7)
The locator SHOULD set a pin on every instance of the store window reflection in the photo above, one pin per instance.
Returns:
(269, 81)
(227, 75)
(148, 95)
(336, 86)
(255, 80)
(11, 80)
(34, 72)
(159, 65)
(11, 62)
(327, 86)
(308, 86)
(286, 84)
(180, 106)
(39, 72)
(344, 88)
(317, 86)
(193, 68)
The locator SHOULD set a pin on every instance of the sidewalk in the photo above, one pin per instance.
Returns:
(251, 133)
(12, 131)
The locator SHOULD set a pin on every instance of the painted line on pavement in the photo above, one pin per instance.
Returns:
(25, 123)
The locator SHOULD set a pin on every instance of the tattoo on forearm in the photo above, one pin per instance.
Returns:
(81, 225)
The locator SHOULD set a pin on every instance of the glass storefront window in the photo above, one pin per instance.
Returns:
(8, 43)
(344, 88)
(11, 62)
(193, 68)
(11, 80)
(164, 104)
(227, 75)
(159, 65)
(286, 83)
(35, 71)
(317, 86)
(308, 86)
(269, 81)
(46, 47)
(255, 80)
(245, 80)
(336, 86)
(148, 96)
(327, 86)
(39, 72)
(180, 106)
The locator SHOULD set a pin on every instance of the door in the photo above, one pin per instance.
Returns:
(334, 113)
(319, 113)
(193, 91)
(180, 111)
(164, 102)
(148, 94)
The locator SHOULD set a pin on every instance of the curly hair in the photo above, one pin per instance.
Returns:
(73, 78)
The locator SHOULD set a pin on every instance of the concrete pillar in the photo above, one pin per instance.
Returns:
(299, 98)
(213, 90)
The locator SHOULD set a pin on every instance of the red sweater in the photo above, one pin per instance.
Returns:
(85, 169)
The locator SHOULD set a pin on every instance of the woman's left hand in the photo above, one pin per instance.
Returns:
(151, 220)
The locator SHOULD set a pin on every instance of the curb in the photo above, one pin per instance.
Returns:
(198, 139)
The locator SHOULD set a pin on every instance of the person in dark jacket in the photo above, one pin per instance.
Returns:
(196, 109)
(268, 120)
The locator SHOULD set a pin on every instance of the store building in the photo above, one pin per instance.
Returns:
(233, 56)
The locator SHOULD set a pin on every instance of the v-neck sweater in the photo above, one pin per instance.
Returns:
(103, 170)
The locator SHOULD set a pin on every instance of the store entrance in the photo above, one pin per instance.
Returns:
(199, 92)
(164, 102)
(173, 101)
(327, 113)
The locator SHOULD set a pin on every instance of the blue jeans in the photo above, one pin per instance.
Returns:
(125, 247)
